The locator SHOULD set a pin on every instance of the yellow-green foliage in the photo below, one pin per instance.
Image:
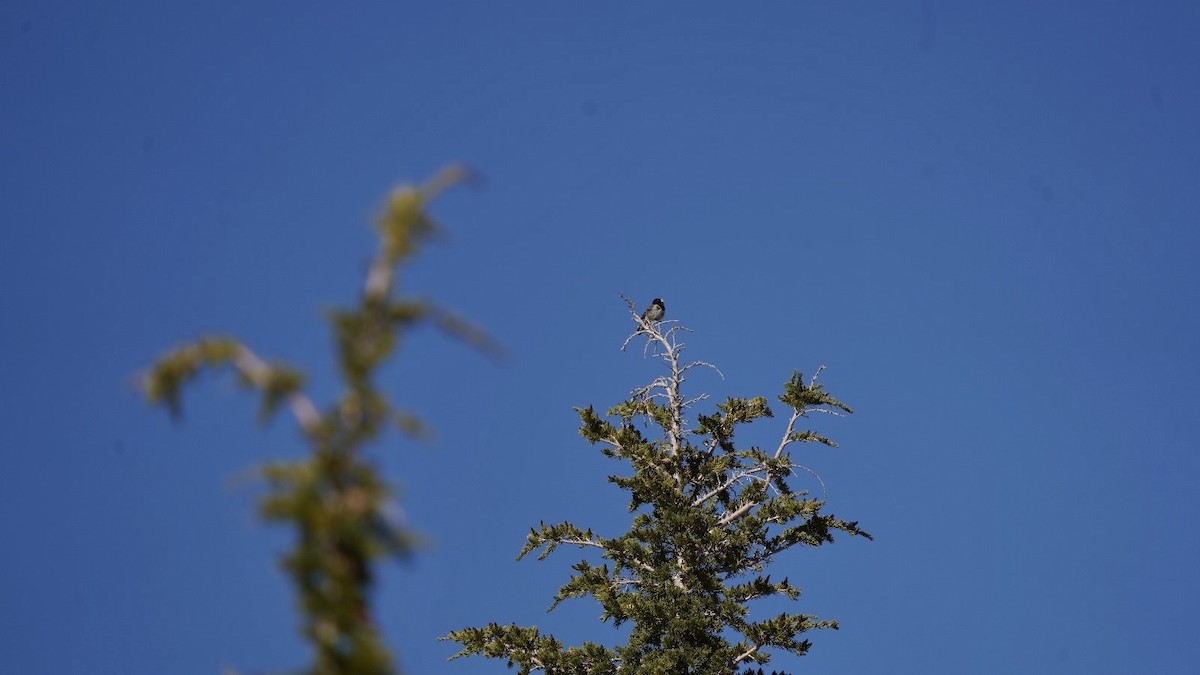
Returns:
(335, 500)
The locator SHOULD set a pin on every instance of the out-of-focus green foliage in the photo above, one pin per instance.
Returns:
(336, 501)
(709, 517)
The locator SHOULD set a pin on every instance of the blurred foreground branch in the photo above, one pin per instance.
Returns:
(337, 503)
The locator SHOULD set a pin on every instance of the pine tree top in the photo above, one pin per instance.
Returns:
(709, 517)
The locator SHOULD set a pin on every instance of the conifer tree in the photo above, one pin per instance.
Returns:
(708, 518)
(335, 500)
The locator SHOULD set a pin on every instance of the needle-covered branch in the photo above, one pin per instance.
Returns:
(548, 537)
(529, 651)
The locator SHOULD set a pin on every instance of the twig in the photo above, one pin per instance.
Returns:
(814, 474)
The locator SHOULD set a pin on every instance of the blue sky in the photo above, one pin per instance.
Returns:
(980, 216)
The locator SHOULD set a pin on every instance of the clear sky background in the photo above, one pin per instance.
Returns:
(982, 217)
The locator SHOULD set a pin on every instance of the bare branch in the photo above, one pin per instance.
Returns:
(705, 364)
(813, 380)
(814, 474)
(826, 411)
(787, 432)
(581, 542)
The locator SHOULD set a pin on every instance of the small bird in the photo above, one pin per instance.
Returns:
(654, 312)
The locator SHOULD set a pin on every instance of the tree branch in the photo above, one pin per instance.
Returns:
(257, 371)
